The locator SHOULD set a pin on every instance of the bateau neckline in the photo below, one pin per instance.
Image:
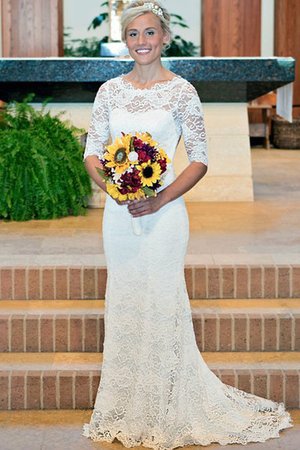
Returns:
(157, 84)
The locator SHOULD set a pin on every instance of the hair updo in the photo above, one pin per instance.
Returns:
(140, 7)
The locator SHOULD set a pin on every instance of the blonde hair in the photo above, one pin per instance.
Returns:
(140, 7)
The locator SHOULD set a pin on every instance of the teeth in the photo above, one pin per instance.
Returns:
(143, 51)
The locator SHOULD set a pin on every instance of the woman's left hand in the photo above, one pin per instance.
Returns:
(138, 208)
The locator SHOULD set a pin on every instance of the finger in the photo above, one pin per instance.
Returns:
(137, 208)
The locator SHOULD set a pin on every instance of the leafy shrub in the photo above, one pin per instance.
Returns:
(42, 175)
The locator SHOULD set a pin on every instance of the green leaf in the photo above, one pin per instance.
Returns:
(131, 146)
(181, 24)
(102, 174)
(97, 21)
(148, 192)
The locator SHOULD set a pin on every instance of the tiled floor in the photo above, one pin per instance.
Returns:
(265, 231)
(61, 430)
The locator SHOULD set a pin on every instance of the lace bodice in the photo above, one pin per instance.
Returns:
(167, 110)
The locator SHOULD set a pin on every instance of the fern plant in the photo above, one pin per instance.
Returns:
(42, 175)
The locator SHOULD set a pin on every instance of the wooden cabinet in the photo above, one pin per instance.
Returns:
(287, 39)
(231, 27)
(32, 28)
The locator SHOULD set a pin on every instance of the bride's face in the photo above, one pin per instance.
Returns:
(145, 39)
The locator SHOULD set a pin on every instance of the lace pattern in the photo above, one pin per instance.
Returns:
(176, 98)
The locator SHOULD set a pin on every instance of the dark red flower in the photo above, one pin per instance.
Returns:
(138, 143)
(143, 156)
(130, 181)
(163, 164)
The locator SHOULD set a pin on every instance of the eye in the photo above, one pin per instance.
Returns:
(132, 34)
(150, 33)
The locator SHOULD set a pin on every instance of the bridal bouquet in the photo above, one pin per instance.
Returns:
(133, 167)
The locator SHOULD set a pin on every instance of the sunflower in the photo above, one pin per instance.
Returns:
(150, 173)
(117, 154)
(113, 191)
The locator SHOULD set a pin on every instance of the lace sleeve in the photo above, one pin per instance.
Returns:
(192, 125)
(98, 133)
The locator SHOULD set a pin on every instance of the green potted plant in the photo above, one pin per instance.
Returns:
(42, 175)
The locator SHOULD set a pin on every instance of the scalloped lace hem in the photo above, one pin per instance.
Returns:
(283, 421)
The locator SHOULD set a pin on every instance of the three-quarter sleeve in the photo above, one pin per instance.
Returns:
(192, 124)
(98, 133)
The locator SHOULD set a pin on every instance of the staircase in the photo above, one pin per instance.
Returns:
(246, 321)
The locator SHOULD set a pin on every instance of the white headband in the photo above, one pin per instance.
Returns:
(154, 8)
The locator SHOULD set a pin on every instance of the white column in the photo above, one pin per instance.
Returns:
(229, 177)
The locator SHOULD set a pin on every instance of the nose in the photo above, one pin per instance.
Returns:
(141, 39)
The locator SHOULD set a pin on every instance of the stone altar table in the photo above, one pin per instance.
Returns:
(225, 86)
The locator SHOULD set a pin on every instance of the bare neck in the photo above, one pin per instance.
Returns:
(148, 74)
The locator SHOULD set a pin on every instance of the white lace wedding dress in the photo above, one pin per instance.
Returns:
(156, 390)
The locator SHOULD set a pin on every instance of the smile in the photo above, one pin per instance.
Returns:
(143, 51)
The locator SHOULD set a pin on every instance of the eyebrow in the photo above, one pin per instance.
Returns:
(148, 28)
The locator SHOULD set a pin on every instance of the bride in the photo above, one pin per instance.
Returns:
(156, 390)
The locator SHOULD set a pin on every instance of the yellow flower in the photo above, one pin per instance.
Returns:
(150, 173)
(163, 155)
(117, 154)
(146, 137)
(114, 192)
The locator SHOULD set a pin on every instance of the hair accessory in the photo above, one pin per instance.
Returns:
(154, 8)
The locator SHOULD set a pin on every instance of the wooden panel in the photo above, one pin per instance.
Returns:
(287, 36)
(32, 28)
(231, 27)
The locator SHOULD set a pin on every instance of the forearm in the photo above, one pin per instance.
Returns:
(183, 183)
(91, 162)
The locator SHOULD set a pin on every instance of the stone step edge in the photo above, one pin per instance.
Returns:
(87, 307)
(69, 382)
(203, 281)
(279, 361)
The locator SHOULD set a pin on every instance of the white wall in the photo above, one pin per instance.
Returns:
(267, 27)
(79, 15)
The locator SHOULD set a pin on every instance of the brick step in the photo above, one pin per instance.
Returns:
(203, 281)
(220, 325)
(70, 380)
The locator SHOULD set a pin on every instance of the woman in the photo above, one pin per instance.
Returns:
(156, 389)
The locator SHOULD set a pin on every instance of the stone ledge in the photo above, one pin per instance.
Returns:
(66, 381)
(203, 281)
(230, 325)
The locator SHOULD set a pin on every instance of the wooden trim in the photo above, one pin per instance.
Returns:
(60, 27)
(6, 29)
